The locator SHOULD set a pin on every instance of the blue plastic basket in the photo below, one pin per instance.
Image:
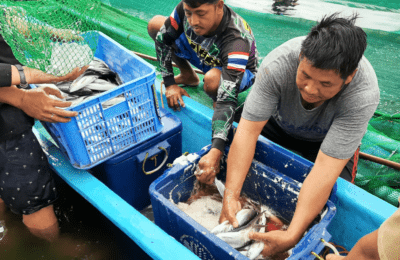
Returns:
(277, 190)
(97, 133)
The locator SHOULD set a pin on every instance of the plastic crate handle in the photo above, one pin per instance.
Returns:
(160, 166)
(328, 245)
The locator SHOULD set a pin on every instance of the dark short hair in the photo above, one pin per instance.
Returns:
(197, 3)
(336, 44)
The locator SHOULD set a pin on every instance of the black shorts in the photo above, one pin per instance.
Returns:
(306, 149)
(26, 181)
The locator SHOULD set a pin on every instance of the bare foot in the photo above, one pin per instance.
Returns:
(334, 257)
(192, 80)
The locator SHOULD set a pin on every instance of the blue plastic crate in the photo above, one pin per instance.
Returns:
(97, 134)
(278, 191)
(130, 173)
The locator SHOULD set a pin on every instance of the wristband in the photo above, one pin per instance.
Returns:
(23, 83)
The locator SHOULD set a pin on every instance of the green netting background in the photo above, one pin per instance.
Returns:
(54, 36)
(383, 140)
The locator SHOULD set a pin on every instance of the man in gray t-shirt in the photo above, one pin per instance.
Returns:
(315, 94)
(335, 127)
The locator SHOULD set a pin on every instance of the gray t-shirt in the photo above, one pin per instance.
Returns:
(339, 123)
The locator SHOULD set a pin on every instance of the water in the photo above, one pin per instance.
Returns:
(83, 234)
(371, 16)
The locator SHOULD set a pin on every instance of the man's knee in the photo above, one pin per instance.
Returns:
(154, 25)
(212, 81)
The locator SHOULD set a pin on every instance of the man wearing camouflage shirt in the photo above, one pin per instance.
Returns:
(212, 37)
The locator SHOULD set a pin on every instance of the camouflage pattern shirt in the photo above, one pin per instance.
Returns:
(232, 46)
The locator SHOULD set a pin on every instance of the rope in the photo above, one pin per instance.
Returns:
(327, 250)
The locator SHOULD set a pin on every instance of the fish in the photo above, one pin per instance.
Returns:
(76, 101)
(243, 217)
(97, 79)
(97, 70)
(257, 247)
(101, 85)
(239, 237)
(252, 218)
(112, 102)
(253, 250)
(64, 87)
(81, 82)
(220, 186)
(99, 67)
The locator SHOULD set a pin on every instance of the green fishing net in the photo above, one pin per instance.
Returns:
(54, 36)
(382, 140)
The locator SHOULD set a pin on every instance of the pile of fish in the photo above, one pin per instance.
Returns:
(205, 206)
(97, 79)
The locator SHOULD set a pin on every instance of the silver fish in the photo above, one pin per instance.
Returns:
(112, 102)
(220, 186)
(240, 237)
(77, 101)
(255, 249)
(81, 82)
(243, 217)
(101, 86)
(65, 86)
(99, 67)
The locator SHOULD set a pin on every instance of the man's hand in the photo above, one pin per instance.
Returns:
(230, 207)
(174, 97)
(275, 241)
(75, 73)
(334, 257)
(38, 104)
(209, 166)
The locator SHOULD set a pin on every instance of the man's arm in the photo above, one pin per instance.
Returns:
(34, 76)
(240, 157)
(313, 196)
(36, 102)
(169, 32)
(365, 249)
(234, 64)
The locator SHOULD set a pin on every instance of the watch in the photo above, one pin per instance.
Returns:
(23, 83)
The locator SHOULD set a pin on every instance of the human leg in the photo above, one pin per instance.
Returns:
(187, 75)
(212, 81)
(2, 208)
(43, 223)
(27, 186)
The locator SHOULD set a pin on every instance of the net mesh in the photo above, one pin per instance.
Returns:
(54, 36)
(381, 140)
